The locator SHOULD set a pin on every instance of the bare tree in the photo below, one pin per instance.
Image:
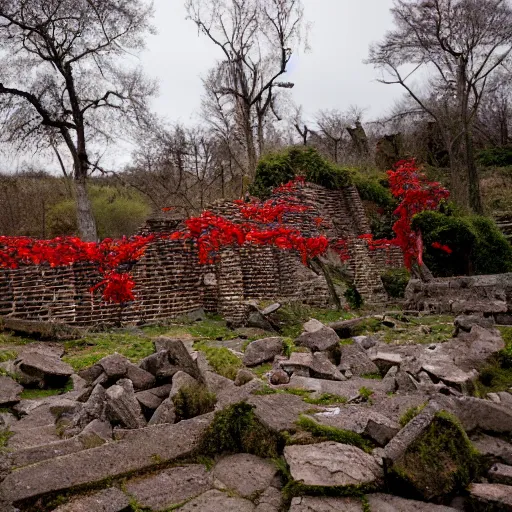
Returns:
(256, 39)
(459, 44)
(64, 79)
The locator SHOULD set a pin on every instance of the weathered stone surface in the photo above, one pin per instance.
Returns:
(261, 351)
(323, 504)
(366, 342)
(44, 330)
(355, 359)
(42, 369)
(233, 394)
(34, 436)
(163, 443)
(271, 309)
(493, 448)
(122, 406)
(386, 360)
(96, 433)
(217, 501)
(452, 376)
(65, 406)
(317, 337)
(278, 377)
(500, 474)
(389, 503)
(361, 421)
(496, 497)
(164, 414)
(95, 406)
(314, 365)
(271, 500)
(478, 414)
(115, 366)
(466, 322)
(34, 454)
(158, 365)
(170, 487)
(10, 391)
(332, 464)
(179, 381)
(278, 412)
(107, 500)
(347, 328)
(243, 376)
(178, 355)
(148, 401)
(245, 474)
(140, 378)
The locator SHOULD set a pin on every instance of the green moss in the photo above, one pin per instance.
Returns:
(5, 435)
(262, 369)
(441, 461)
(411, 413)
(366, 394)
(237, 430)
(192, 401)
(395, 281)
(221, 359)
(327, 399)
(6, 355)
(372, 376)
(328, 433)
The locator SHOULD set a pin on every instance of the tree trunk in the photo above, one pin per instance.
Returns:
(475, 199)
(330, 283)
(84, 214)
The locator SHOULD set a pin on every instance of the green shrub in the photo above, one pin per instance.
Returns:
(192, 401)
(278, 168)
(117, 212)
(478, 245)
(395, 282)
(495, 157)
(373, 189)
(353, 297)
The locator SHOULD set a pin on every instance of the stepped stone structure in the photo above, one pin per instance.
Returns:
(170, 282)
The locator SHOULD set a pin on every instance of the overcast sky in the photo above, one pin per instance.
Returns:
(331, 75)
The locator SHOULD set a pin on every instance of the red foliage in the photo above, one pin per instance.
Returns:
(445, 248)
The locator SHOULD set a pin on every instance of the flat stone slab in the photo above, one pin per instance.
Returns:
(10, 391)
(389, 503)
(245, 474)
(500, 474)
(280, 411)
(162, 443)
(493, 448)
(34, 454)
(263, 350)
(29, 437)
(317, 504)
(217, 501)
(332, 464)
(498, 496)
(170, 487)
(45, 364)
(108, 500)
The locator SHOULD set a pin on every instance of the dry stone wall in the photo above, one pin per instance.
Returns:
(170, 282)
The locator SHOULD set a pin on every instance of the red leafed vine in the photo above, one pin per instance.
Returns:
(262, 223)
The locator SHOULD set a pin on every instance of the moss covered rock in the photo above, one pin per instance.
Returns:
(431, 457)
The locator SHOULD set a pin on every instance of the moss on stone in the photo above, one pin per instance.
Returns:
(440, 462)
(221, 359)
(411, 413)
(193, 400)
(236, 429)
(328, 433)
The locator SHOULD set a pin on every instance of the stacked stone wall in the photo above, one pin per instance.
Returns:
(170, 282)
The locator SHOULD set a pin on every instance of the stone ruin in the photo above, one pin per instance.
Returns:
(170, 282)
(415, 439)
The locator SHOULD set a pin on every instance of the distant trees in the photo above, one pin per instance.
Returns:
(64, 80)
(256, 39)
(461, 44)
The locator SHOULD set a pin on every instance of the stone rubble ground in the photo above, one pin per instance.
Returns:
(116, 442)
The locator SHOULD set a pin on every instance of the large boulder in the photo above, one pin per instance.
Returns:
(311, 365)
(42, 370)
(122, 406)
(491, 497)
(430, 457)
(10, 391)
(354, 358)
(261, 351)
(318, 337)
(158, 365)
(178, 355)
(330, 464)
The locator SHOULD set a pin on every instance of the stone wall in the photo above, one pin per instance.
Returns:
(488, 295)
(170, 282)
